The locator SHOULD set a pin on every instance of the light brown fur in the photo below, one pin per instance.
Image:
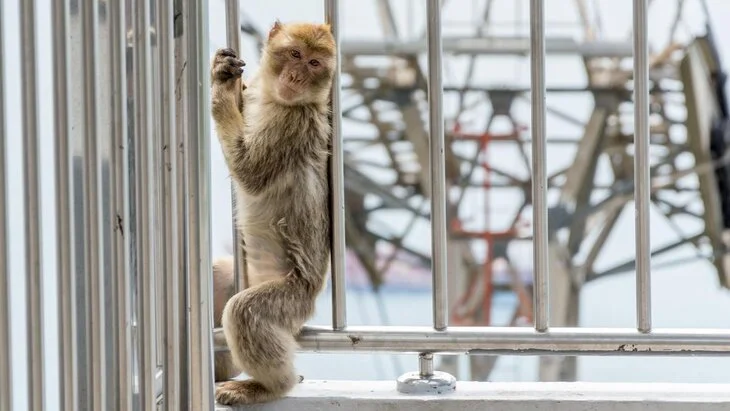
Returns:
(274, 133)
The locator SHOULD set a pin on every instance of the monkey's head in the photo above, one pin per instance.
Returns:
(298, 63)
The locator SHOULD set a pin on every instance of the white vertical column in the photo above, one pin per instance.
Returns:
(438, 166)
(92, 211)
(197, 151)
(171, 205)
(641, 165)
(6, 373)
(143, 118)
(337, 182)
(233, 36)
(539, 165)
(31, 185)
(119, 170)
(68, 349)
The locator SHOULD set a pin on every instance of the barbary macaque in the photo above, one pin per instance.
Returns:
(274, 133)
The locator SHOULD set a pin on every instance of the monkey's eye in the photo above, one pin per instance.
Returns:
(314, 63)
(296, 54)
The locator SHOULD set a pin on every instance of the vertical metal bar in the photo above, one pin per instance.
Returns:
(119, 175)
(233, 36)
(31, 183)
(198, 213)
(96, 329)
(6, 388)
(182, 129)
(77, 124)
(107, 208)
(337, 182)
(159, 226)
(425, 364)
(438, 166)
(170, 172)
(641, 165)
(145, 267)
(539, 165)
(64, 216)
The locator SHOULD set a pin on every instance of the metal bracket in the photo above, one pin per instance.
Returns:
(426, 380)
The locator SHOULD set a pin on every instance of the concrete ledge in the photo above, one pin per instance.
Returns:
(473, 396)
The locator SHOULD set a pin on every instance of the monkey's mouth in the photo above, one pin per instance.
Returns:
(291, 90)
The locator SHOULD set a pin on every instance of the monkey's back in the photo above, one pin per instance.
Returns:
(291, 143)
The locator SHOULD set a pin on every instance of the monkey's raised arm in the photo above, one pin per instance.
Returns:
(227, 109)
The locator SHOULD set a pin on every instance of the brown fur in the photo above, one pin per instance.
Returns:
(274, 133)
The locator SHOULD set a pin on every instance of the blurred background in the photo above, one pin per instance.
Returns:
(590, 169)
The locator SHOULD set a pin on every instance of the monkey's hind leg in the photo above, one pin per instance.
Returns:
(260, 345)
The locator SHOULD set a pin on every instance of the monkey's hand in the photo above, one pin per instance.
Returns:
(225, 80)
(226, 67)
(227, 105)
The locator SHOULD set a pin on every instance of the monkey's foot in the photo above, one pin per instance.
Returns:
(226, 66)
(242, 392)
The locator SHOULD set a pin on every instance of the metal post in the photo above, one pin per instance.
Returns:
(91, 192)
(539, 167)
(233, 34)
(426, 380)
(6, 373)
(182, 131)
(641, 165)
(31, 183)
(337, 182)
(120, 201)
(169, 170)
(68, 380)
(197, 151)
(438, 166)
(142, 151)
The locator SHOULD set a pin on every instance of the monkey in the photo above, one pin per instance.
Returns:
(275, 134)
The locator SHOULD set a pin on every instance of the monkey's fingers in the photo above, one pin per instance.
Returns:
(230, 69)
(235, 62)
(226, 52)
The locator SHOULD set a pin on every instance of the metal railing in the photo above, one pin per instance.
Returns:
(131, 215)
(541, 339)
(130, 209)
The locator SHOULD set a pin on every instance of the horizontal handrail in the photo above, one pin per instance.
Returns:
(513, 340)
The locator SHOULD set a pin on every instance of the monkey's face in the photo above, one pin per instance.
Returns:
(301, 61)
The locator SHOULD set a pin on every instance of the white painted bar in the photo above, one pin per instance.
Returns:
(541, 297)
(641, 165)
(32, 198)
(6, 373)
(337, 182)
(439, 264)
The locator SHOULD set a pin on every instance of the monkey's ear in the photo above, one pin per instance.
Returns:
(275, 29)
(326, 27)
